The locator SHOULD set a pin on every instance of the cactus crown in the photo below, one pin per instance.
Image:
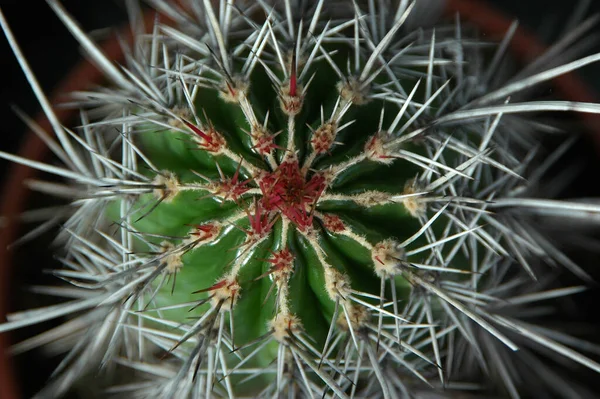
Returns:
(310, 200)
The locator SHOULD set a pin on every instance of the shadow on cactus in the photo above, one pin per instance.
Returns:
(311, 201)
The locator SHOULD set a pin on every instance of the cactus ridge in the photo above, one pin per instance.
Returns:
(311, 200)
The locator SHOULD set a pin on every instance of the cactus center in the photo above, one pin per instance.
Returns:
(288, 191)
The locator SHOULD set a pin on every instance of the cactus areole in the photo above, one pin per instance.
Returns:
(290, 199)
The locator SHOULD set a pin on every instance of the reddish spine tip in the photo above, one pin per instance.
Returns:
(293, 85)
(231, 90)
(197, 130)
(215, 286)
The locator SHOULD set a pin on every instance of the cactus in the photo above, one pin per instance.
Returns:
(305, 199)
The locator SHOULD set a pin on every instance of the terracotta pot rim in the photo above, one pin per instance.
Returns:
(525, 47)
(84, 75)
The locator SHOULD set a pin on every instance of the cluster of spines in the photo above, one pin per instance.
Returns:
(354, 335)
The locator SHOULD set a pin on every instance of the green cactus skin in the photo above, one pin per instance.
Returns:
(279, 199)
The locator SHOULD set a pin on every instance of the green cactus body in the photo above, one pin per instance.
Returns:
(279, 220)
(304, 199)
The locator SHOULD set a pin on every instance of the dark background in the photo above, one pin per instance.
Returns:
(51, 52)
